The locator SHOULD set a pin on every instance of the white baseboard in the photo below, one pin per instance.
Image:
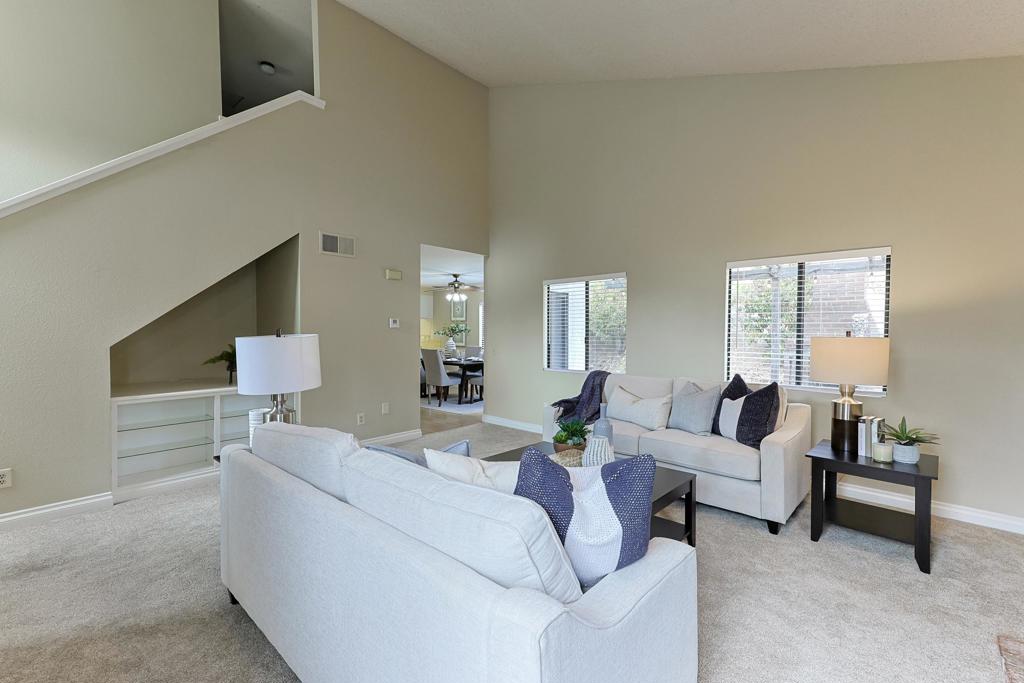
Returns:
(961, 513)
(393, 438)
(64, 508)
(513, 424)
(167, 485)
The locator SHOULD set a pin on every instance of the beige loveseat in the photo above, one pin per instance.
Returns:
(767, 484)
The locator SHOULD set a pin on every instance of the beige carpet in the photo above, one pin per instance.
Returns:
(134, 594)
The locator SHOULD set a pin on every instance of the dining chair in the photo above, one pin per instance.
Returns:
(474, 352)
(437, 377)
(478, 383)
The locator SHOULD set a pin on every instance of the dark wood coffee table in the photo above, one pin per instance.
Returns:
(900, 526)
(669, 486)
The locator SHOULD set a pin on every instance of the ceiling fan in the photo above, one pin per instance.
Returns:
(457, 289)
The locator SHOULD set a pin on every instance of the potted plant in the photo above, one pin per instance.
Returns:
(907, 439)
(225, 356)
(571, 434)
(451, 331)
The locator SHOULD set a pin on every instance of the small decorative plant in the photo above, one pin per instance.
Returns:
(907, 440)
(225, 356)
(571, 434)
(453, 330)
(908, 436)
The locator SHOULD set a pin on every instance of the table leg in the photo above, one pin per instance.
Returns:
(831, 483)
(923, 525)
(817, 499)
(691, 515)
(462, 384)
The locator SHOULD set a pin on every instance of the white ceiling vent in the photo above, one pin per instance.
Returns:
(336, 245)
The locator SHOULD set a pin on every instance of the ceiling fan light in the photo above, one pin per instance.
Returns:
(449, 296)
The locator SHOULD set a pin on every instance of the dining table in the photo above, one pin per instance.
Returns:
(466, 365)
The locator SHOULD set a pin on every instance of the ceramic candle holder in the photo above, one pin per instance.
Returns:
(881, 452)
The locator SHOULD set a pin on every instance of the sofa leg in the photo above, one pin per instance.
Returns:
(773, 527)
(231, 597)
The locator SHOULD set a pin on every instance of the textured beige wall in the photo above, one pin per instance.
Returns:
(174, 346)
(82, 83)
(277, 289)
(669, 180)
(398, 158)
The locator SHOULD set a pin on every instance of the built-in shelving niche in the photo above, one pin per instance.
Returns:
(170, 413)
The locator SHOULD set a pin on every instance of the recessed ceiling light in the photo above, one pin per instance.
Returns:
(268, 68)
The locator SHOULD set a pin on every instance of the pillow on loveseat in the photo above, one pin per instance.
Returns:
(602, 514)
(747, 416)
(649, 413)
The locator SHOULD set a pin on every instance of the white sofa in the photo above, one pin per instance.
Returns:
(767, 484)
(360, 566)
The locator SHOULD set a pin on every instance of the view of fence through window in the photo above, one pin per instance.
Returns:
(585, 324)
(775, 307)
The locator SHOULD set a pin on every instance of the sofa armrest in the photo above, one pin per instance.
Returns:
(785, 472)
(653, 601)
(551, 415)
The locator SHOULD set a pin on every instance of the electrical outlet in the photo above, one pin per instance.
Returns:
(385, 408)
(393, 323)
(360, 418)
(6, 478)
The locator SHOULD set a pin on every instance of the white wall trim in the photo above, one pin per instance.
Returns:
(90, 175)
(961, 513)
(64, 508)
(513, 424)
(393, 438)
(168, 485)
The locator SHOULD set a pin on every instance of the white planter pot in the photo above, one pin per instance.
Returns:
(450, 349)
(908, 455)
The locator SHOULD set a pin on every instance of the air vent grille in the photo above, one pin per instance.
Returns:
(337, 245)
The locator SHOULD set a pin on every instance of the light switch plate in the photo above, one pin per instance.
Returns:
(393, 323)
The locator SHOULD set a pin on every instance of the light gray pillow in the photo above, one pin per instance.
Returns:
(693, 409)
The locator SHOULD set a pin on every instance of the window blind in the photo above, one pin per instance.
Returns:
(482, 325)
(774, 307)
(585, 324)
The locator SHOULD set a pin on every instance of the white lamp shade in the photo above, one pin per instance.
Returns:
(845, 360)
(277, 365)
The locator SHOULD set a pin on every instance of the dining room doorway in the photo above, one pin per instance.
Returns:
(452, 337)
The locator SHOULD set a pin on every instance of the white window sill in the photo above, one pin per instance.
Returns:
(567, 372)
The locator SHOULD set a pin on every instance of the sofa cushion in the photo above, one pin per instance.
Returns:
(508, 539)
(693, 408)
(459, 448)
(601, 513)
(626, 437)
(500, 476)
(715, 454)
(313, 454)
(650, 413)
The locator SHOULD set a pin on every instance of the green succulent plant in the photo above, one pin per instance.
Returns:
(908, 436)
(572, 432)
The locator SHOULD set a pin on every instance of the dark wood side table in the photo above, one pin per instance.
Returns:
(669, 486)
(900, 526)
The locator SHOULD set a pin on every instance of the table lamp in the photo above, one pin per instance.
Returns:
(848, 361)
(278, 365)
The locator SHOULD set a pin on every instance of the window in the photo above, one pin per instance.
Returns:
(585, 324)
(775, 306)
(481, 324)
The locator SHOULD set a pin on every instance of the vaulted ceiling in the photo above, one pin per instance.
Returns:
(504, 42)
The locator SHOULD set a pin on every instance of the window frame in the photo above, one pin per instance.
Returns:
(800, 261)
(586, 279)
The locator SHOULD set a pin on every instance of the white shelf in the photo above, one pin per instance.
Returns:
(165, 474)
(164, 435)
(163, 447)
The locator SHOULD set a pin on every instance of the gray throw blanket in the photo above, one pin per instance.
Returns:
(586, 406)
